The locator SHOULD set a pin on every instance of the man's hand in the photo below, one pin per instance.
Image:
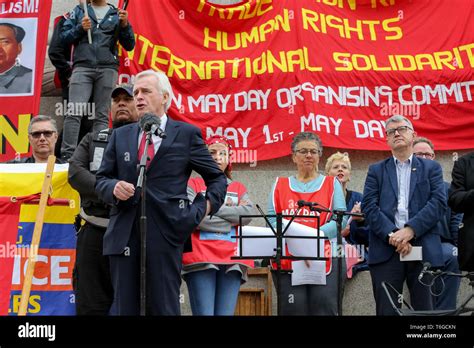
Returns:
(86, 23)
(401, 239)
(403, 235)
(404, 249)
(123, 18)
(124, 190)
(357, 209)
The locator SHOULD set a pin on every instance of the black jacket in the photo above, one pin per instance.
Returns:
(461, 199)
(60, 53)
(82, 168)
(102, 53)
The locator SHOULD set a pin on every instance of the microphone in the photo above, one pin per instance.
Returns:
(151, 123)
(302, 203)
(426, 266)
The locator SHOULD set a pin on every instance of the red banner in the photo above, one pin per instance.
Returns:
(23, 40)
(264, 70)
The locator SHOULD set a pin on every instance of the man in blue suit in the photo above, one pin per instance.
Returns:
(170, 216)
(404, 200)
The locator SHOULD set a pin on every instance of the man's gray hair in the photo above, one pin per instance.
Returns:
(42, 118)
(164, 84)
(310, 136)
(399, 118)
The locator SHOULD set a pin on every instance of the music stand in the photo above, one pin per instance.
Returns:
(279, 234)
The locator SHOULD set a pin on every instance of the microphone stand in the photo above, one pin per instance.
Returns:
(141, 184)
(339, 217)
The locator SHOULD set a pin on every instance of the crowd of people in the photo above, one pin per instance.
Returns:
(411, 215)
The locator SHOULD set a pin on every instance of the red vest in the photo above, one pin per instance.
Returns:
(211, 247)
(285, 201)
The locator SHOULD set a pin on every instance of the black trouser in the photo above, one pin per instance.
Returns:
(93, 286)
(163, 276)
(310, 299)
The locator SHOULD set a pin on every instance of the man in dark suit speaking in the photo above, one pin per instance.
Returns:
(170, 216)
(404, 201)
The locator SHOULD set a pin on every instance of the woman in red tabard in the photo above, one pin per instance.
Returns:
(213, 279)
(309, 185)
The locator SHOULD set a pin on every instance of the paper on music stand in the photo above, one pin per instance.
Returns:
(314, 274)
(258, 246)
(303, 247)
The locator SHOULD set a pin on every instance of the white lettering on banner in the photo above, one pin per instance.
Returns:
(233, 134)
(251, 100)
(178, 100)
(271, 138)
(355, 96)
(369, 129)
(321, 123)
(21, 6)
(209, 103)
(59, 275)
(288, 96)
(420, 95)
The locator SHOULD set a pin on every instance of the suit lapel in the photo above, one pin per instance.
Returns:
(415, 168)
(392, 174)
(171, 133)
(131, 143)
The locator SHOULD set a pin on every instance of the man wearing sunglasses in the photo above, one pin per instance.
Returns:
(404, 201)
(42, 134)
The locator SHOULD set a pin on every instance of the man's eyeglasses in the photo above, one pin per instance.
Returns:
(313, 152)
(401, 130)
(424, 155)
(47, 134)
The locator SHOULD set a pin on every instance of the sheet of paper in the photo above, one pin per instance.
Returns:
(414, 255)
(258, 246)
(303, 247)
(314, 274)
